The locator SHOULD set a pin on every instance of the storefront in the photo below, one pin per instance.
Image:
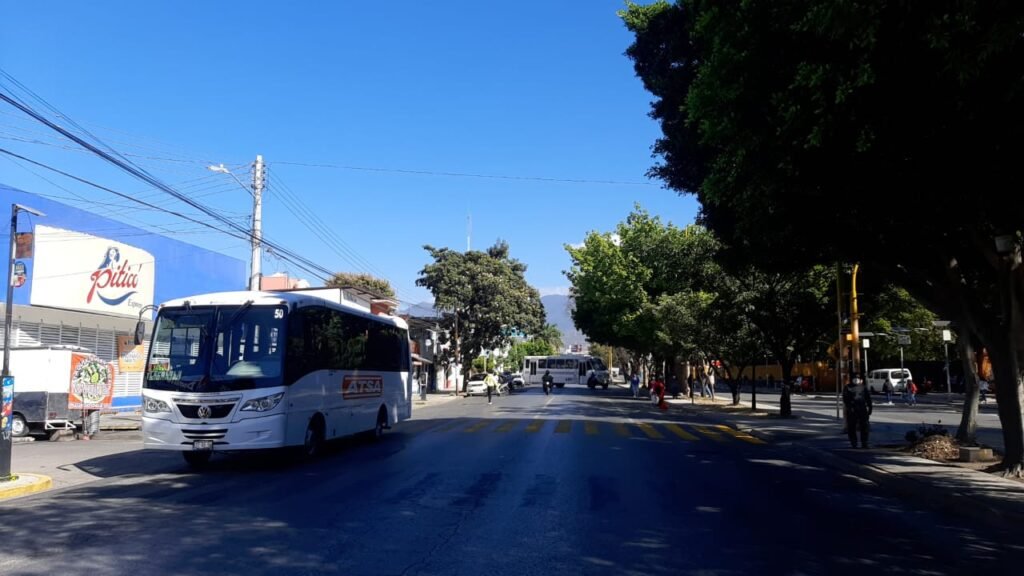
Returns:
(82, 280)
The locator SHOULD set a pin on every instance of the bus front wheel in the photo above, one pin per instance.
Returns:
(314, 438)
(382, 423)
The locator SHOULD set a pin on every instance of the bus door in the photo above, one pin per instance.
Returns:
(583, 371)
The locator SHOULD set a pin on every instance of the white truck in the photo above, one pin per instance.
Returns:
(42, 378)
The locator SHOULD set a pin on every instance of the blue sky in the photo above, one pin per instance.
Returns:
(512, 89)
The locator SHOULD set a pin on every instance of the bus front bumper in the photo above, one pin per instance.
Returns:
(246, 434)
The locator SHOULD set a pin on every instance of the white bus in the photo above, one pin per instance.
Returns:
(257, 370)
(565, 369)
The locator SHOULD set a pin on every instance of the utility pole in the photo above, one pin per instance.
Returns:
(257, 222)
(854, 326)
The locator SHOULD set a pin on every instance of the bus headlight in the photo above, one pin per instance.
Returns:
(153, 405)
(262, 404)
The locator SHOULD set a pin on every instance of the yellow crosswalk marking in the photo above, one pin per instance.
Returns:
(739, 435)
(478, 426)
(681, 432)
(447, 426)
(650, 431)
(506, 426)
(563, 427)
(622, 430)
(590, 428)
(709, 433)
(535, 426)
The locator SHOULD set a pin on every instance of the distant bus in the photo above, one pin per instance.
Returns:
(257, 370)
(565, 369)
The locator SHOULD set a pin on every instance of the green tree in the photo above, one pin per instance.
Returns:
(365, 281)
(487, 294)
(889, 312)
(897, 124)
(550, 335)
(520, 350)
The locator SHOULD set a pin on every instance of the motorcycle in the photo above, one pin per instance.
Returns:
(547, 386)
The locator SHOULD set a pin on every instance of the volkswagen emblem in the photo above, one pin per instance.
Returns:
(204, 412)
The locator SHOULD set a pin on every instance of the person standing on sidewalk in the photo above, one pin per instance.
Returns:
(857, 399)
(709, 384)
(983, 390)
(491, 383)
(911, 393)
(634, 384)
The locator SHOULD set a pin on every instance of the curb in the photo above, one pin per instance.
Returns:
(952, 502)
(26, 484)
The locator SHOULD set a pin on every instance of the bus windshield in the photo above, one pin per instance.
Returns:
(216, 349)
(598, 364)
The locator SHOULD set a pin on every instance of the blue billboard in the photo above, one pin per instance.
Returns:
(90, 261)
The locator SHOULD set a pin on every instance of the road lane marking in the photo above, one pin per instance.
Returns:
(590, 428)
(563, 427)
(681, 432)
(650, 431)
(715, 436)
(622, 430)
(740, 435)
(507, 426)
(478, 426)
(535, 426)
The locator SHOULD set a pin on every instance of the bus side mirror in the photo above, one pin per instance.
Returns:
(140, 332)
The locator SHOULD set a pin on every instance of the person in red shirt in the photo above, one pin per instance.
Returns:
(658, 391)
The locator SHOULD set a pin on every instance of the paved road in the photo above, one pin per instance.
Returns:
(583, 482)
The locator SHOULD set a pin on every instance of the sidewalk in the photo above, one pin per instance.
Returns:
(959, 490)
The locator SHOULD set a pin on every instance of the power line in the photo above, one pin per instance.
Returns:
(141, 174)
(468, 174)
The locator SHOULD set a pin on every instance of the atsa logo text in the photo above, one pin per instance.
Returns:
(361, 387)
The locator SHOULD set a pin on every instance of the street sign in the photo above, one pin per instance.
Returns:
(903, 339)
(865, 343)
(947, 336)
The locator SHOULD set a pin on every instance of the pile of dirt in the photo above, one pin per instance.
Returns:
(938, 447)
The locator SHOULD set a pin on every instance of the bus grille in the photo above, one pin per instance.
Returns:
(205, 434)
(216, 410)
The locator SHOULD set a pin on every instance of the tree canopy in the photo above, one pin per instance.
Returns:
(365, 281)
(486, 292)
(866, 131)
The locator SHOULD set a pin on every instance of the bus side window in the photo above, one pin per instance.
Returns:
(543, 364)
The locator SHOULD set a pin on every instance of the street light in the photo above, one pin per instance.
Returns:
(7, 396)
(257, 215)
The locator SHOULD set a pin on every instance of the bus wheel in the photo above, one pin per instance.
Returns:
(605, 386)
(382, 423)
(314, 437)
(19, 427)
(197, 459)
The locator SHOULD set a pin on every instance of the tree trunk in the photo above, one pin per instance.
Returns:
(1006, 353)
(965, 434)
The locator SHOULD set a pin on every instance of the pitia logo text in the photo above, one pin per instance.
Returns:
(361, 387)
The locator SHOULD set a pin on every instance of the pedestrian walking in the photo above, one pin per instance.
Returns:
(887, 388)
(857, 399)
(634, 384)
(983, 391)
(709, 384)
(491, 383)
(911, 393)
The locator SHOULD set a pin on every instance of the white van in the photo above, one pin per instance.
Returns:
(899, 377)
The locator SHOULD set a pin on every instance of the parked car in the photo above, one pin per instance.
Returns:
(475, 385)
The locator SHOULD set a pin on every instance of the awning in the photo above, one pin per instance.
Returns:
(417, 359)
